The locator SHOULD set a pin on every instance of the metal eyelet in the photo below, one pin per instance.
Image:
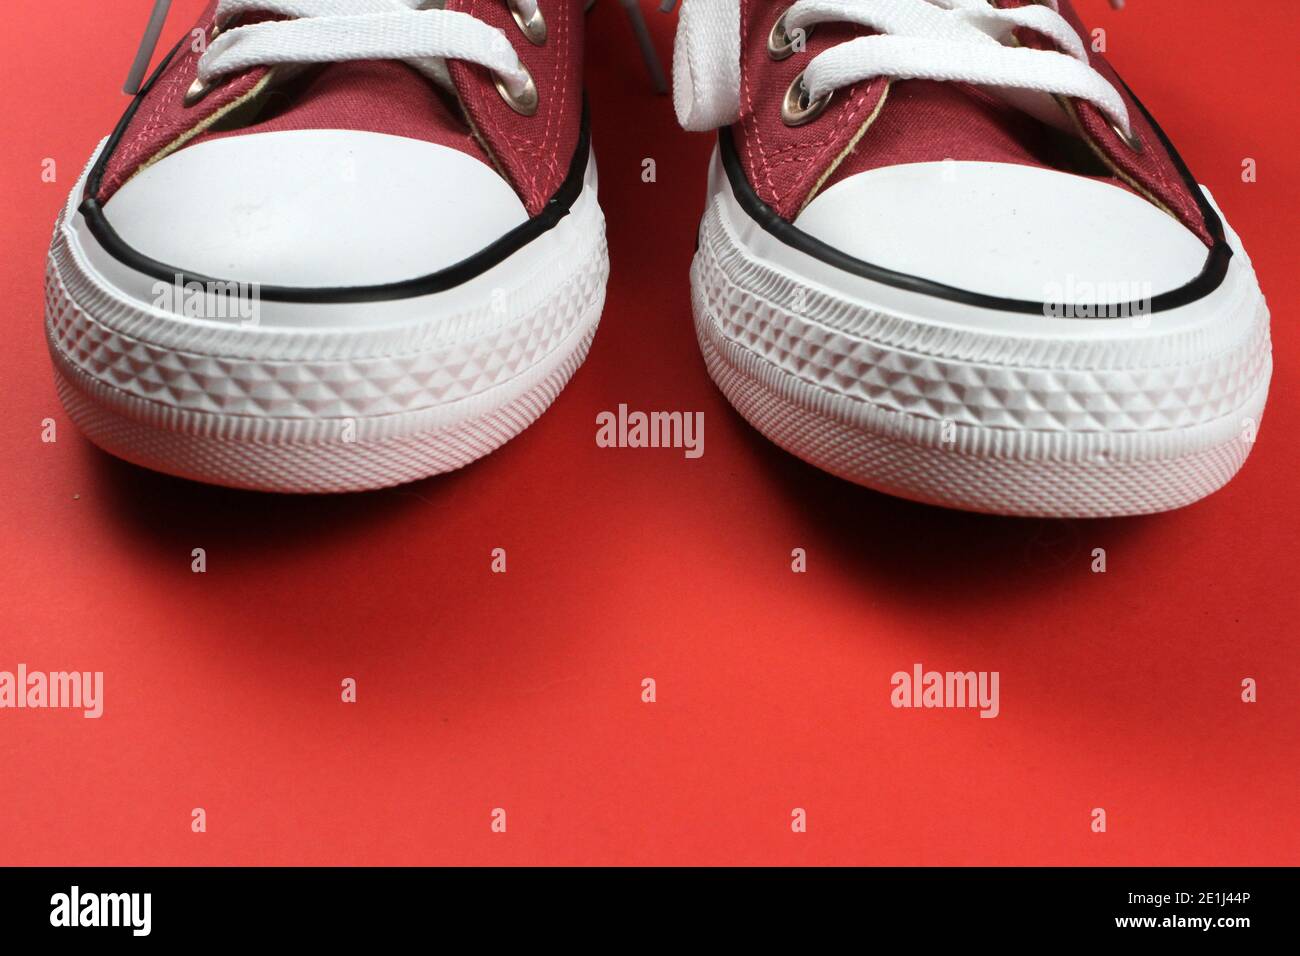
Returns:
(1130, 140)
(780, 44)
(797, 108)
(525, 102)
(534, 27)
(198, 89)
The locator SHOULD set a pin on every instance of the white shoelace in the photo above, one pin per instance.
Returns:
(433, 66)
(965, 41)
(417, 32)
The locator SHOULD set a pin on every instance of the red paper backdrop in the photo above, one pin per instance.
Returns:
(522, 691)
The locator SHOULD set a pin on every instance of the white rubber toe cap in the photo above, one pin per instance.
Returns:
(1006, 230)
(314, 208)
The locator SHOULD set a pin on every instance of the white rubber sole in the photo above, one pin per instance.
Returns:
(322, 398)
(948, 404)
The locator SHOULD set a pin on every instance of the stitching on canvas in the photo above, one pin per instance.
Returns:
(542, 155)
(548, 153)
(845, 119)
(750, 122)
(848, 147)
(205, 124)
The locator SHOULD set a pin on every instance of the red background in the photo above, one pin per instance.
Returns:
(1119, 690)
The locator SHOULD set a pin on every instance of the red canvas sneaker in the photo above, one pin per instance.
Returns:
(947, 254)
(334, 244)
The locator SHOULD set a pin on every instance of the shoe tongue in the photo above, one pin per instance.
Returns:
(373, 96)
(1044, 107)
(434, 69)
(930, 122)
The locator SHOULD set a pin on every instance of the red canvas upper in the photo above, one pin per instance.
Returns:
(532, 152)
(913, 121)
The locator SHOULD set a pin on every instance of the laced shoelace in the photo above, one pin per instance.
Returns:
(965, 41)
(417, 32)
(390, 33)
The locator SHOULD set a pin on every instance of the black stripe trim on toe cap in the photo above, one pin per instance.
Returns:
(556, 208)
(1209, 279)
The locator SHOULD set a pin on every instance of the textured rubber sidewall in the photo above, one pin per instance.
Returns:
(330, 411)
(947, 478)
(305, 467)
(1006, 471)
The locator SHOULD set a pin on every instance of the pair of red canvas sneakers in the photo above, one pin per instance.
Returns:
(946, 253)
